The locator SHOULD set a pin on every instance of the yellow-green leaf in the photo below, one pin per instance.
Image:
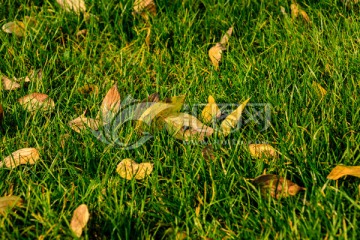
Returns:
(9, 202)
(232, 119)
(262, 150)
(129, 169)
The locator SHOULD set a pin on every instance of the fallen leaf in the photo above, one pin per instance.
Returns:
(9, 202)
(88, 89)
(110, 106)
(225, 39)
(16, 27)
(283, 11)
(232, 119)
(8, 84)
(184, 126)
(79, 219)
(262, 150)
(340, 171)
(276, 186)
(208, 153)
(82, 32)
(76, 6)
(294, 10)
(211, 110)
(215, 54)
(82, 123)
(37, 101)
(320, 91)
(21, 156)
(129, 169)
(141, 6)
(34, 75)
(177, 103)
(147, 39)
(305, 16)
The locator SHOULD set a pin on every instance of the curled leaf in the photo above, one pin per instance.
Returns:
(21, 156)
(276, 186)
(81, 123)
(76, 6)
(129, 169)
(8, 84)
(184, 126)
(341, 171)
(37, 101)
(16, 27)
(215, 54)
(211, 110)
(9, 202)
(262, 150)
(110, 106)
(79, 219)
(232, 119)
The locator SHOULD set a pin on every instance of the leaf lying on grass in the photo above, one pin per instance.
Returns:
(184, 126)
(215, 53)
(232, 119)
(9, 202)
(341, 171)
(208, 153)
(16, 27)
(141, 6)
(9, 84)
(76, 6)
(210, 111)
(276, 186)
(294, 10)
(21, 156)
(81, 123)
(88, 89)
(79, 220)
(110, 106)
(129, 169)
(320, 91)
(37, 101)
(262, 150)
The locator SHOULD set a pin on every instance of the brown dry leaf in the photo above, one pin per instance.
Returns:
(37, 101)
(320, 91)
(81, 123)
(110, 106)
(225, 39)
(141, 6)
(88, 89)
(276, 186)
(129, 169)
(16, 27)
(77, 6)
(1, 113)
(79, 220)
(21, 156)
(262, 150)
(340, 171)
(82, 32)
(184, 126)
(34, 75)
(294, 10)
(211, 110)
(9, 202)
(208, 153)
(8, 84)
(232, 119)
(305, 16)
(215, 54)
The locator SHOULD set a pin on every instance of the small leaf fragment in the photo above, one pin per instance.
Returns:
(232, 119)
(129, 169)
(210, 111)
(16, 27)
(141, 6)
(76, 6)
(262, 150)
(9, 84)
(21, 156)
(276, 186)
(8, 202)
(294, 10)
(215, 54)
(320, 91)
(341, 171)
(79, 219)
(81, 123)
(305, 16)
(88, 89)
(37, 101)
(225, 39)
(110, 106)
(208, 153)
(82, 32)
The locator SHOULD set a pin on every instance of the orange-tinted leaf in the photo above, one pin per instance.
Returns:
(9, 84)
(37, 101)
(9, 202)
(262, 150)
(21, 156)
(79, 220)
(340, 171)
(110, 106)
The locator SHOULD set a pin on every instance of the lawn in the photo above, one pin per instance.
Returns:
(271, 57)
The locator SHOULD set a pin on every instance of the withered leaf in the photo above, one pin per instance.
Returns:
(37, 101)
(141, 6)
(341, 171)
(305, 16)
(186, 127)
(1, 113)
(9, 202)
(16, 27)
(276, 186)
(110, 106)
(262, 150)
(294, 10)
(9, 84)
(21, 156)
(82, 32)
(88, 89)
(81, 123)
(79, 219)
(232, 119)
(225, 39)
(211, 110)
(215, 54)
(208, 153)
(320, 91)
(76, 6)
(129, 169)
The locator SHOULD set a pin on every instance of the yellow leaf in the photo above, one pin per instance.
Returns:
(262, 150)
(9, 202)
(340, 171)
(77, 6)
(211, 110)
(276, 186)
(110, 106)
(177, 103)
(37, 101)
(232, 119)
(176, 124)
(79, 219)
(225, 39)
(320, 91)
(305, 16)
(141, 6)
(129, 169)
(82, 123)
(8, 84)
(294, 10)
(16, 27)
(21, 156)
(215, 54)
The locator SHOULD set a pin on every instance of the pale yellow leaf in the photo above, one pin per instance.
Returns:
(232, 119)
(16, 27)
(320, 91)
(37, 101)
(9, 202)
(8, 84)
(141, 6)
(215, 54)
(129, 169)
(305, 16)
(294, 10)
(76, 6)
(110, 106)
(262, 150)
(340, 171)
(225, 39)
(79, 219)
(21, 156)
(81, 123)
(210, 111)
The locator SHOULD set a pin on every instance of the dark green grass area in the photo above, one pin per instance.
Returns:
(270, 57)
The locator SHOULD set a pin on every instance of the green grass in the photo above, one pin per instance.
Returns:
(270, 58)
